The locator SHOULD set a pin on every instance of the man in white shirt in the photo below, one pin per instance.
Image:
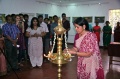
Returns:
(42, 23)
(45, 29)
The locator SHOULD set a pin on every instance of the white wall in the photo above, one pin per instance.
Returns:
(89, 10)
(31, 6)
(27, 6)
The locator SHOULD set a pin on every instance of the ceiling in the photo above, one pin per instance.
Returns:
(70, 2)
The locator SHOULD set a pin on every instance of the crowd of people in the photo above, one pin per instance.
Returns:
(32, 41)
(20, 41)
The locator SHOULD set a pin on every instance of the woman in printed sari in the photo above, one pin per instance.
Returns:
(89, 65)
(3, 68)
(96, 30)
(107, 31)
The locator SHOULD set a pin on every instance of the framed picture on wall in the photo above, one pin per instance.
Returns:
(74, 18)
(46, 15)
(88, 18)
(50, 16)
(100, 19)
(37, 14)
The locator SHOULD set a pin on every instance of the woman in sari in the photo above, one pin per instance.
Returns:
(96, 30)
(89, 65)
(107, 31)
(3, 68)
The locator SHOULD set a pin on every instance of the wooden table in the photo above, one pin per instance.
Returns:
(113, 51)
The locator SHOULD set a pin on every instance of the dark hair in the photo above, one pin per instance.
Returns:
(20, 14)
(34, 18)
(46, 18)
(55, 16)
(118, 22)
(25, 15)
(40, 16)
(107, 22)
(50, 17)
(81, 21)
(7, 17)
(13, 15)
(63, 14)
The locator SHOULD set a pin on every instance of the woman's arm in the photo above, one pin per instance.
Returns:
(84, 54)
(73, 49)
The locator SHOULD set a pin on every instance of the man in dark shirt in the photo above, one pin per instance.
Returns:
(53, 25)
(47, 39)
(26, 18)
(66, 24)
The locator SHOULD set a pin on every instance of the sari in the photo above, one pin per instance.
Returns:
(89, 67)
(96, 30)
(3, 68)
(107, 31)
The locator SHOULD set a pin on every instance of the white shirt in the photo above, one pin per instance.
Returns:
(44, 26)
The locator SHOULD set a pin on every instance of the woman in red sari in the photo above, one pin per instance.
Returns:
(97, 30)
(3, 68)
(89, 65)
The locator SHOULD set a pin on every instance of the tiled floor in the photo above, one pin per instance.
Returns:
(49, 70)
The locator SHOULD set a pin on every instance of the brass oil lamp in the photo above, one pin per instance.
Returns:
(59, 57)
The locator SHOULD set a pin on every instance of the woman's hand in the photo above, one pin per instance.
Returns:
(36, 35)
(65, 51)
(43, 33)
(72, 52)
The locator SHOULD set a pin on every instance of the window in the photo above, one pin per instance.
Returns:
(114, 17)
